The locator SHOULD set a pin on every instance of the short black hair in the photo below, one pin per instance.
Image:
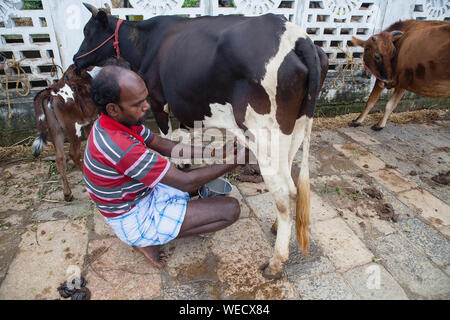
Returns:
(105, 88)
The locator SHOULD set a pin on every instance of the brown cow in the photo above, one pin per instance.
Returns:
(411, 55)
(65, 107)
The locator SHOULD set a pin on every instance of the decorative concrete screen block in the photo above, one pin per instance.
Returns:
(151, 8)
(157, 7)
(29, 35)
(432, 10)
(332, 23)
(8, 9)
(288, 8)
(256, 7)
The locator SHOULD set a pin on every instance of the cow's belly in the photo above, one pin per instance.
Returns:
(433, 89)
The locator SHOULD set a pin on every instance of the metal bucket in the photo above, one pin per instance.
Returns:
(217, 187)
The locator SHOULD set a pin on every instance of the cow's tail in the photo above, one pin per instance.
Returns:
(306, 51)
(40, 100)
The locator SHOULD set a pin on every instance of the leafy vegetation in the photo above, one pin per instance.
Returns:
(191, 3)
(32, 4)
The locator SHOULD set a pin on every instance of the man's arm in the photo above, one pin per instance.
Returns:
(166, 147)
(194, 179)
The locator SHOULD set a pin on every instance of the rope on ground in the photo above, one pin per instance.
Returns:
(350, 64)
(15, 64)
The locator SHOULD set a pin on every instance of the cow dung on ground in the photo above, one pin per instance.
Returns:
(247, 173)
(442, 178)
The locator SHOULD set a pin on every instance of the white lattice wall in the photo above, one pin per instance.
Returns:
(32, 37)
(330, 23)
(432, 10)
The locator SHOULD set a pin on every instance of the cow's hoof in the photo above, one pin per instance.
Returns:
(376, 128)
(354, 123)
(268, 274)
(68, 197)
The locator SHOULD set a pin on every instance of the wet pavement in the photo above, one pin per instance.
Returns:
(380, 229)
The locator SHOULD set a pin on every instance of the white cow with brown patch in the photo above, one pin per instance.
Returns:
(257, 76)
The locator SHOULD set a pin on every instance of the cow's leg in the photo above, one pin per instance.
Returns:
(57, 136)
(75, 150)
(390, 106)
(276, 173)
(298, 135)
(373, 98)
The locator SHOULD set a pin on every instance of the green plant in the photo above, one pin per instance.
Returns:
(32, 5)
(53, 169)
(190, 3)
(325, 190)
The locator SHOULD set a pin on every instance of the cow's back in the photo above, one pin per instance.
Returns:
(208, 56)
(423, 60)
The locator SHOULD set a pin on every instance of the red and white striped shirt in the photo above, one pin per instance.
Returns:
(119, 169)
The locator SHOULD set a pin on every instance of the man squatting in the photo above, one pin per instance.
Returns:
(142, 197)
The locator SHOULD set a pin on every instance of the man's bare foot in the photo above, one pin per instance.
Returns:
(154, 255)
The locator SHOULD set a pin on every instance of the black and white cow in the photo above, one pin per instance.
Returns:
(248, 74)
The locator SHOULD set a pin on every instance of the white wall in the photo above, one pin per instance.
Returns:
(69, 18)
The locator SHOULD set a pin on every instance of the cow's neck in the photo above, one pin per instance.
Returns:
(132, 43)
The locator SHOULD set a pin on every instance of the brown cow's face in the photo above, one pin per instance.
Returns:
(379, 53)
(74, 74)
(96, 31)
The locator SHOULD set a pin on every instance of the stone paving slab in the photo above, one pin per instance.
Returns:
(360, 156)
(265, 209)
(373, 282)
(393, 180)
(347, 234)
(43, 259)
(412, 148)
(241, 249)
(330, 286)
(343, 247)
(406, 160)
(252, 189)
(300, 267)
(411, 269)
(434, 245)
(117, 272)
(101, 227)
(74, 210)
(360, 136)
(431, 208)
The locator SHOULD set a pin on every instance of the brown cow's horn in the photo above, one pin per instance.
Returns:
(396, 33)
(374, 38)
(107, 8)
(91, 8)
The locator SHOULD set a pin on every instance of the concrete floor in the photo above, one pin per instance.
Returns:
(379, 229)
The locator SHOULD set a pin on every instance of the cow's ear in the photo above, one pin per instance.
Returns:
(102, 17)
(358, 42)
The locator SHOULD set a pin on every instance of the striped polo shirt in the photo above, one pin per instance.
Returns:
(119, 168)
